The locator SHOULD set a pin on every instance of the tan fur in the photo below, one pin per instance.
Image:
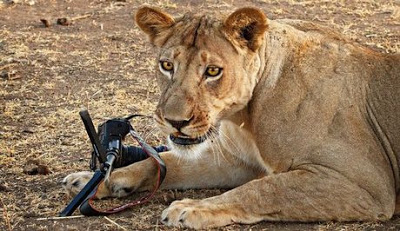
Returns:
(308, 123)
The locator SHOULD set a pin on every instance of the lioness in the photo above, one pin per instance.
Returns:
(301, 122)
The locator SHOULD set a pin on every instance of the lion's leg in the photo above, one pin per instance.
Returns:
(314, 193)
(203, 172)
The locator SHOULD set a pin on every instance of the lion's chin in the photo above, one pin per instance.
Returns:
(188, 151)
(188, 147)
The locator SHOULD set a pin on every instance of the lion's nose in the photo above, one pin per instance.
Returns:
(179, 124)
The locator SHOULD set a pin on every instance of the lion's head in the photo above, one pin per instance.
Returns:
(207, 69)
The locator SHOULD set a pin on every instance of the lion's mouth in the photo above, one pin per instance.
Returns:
(185, 140)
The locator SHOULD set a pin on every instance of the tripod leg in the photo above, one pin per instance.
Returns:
(83, 194)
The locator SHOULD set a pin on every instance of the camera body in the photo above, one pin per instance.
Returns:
(111, 135)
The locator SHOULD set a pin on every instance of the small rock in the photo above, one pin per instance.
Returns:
(33, 167)
(27, 130)
(45, 22)
(63, 21)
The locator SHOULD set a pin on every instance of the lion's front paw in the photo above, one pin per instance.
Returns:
(137, 177)
(122, 182)
(74, 182)
(196, 214)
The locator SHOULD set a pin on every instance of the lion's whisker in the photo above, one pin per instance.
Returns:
(212, 147)
(237, 151)
(211, 139)
(219, 145)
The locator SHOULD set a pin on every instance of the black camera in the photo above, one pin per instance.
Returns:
(111, 134)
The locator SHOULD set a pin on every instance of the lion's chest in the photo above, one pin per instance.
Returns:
(239, 142)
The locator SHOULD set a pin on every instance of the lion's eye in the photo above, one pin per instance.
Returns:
(168, 66)
(213, 71)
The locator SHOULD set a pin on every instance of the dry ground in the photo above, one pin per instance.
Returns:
(103, 63)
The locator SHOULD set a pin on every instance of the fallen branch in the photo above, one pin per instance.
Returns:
(81, 17)
(59, 218)
(114, 223)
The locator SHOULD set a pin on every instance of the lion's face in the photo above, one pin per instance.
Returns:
(205, 74)
(200, 85)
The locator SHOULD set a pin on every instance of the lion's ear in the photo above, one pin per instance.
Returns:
(153, 22)
(247, 26)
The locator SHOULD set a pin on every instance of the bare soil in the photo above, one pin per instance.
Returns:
(101, 61)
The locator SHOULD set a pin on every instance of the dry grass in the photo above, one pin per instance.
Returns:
(102, 62)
